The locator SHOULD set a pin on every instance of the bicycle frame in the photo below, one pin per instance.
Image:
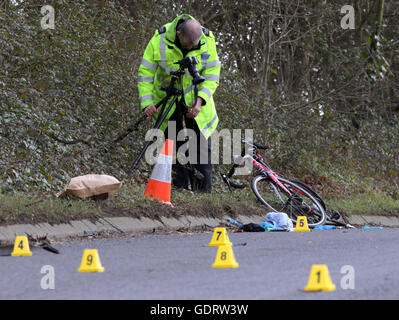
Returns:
(274, 182)
(264, 169)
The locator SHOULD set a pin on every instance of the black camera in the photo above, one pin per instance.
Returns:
(189, 63)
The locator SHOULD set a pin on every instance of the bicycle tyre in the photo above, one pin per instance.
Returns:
(311, 191)
(301, 202)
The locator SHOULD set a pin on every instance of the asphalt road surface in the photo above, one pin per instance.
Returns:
(363, 264)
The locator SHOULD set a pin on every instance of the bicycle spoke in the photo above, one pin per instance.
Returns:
(298, 202)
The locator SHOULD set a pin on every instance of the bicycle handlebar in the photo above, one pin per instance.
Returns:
(237, 186)
(254, 144)
(226, 177)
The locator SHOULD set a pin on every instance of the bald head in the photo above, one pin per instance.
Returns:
(189, 33)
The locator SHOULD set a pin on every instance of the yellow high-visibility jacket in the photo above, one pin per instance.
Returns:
(160, 57)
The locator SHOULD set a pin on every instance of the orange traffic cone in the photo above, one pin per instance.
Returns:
(159, 185)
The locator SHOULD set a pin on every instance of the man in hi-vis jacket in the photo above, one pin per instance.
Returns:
(183, 37)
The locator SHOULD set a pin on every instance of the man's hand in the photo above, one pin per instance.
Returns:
(150, 111)
(194, 109)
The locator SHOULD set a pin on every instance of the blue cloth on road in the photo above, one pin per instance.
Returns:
(324, 227)
(278, 221)
(268, 226)
(367, 227)
(235, 222)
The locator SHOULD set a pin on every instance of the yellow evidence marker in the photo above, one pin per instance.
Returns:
(319, 279)
(219, 238)
(301, 224)
(225, 258)
(91, 261)
(21, 247)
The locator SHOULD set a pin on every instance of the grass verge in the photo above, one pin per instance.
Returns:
(129, 201)
(35, 208)
(369, 203)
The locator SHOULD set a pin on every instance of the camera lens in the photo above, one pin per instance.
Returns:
(197, 79)
(189, 63)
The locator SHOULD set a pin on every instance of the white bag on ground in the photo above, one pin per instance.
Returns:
(91, 185)
(280, 220)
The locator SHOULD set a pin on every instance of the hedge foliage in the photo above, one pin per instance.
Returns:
(328, 104)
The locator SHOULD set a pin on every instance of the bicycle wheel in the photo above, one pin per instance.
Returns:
(299, 202)
(311, 191)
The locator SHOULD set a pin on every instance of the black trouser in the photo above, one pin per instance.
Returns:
(201, 161)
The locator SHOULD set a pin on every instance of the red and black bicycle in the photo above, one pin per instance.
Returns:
(293, 197)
